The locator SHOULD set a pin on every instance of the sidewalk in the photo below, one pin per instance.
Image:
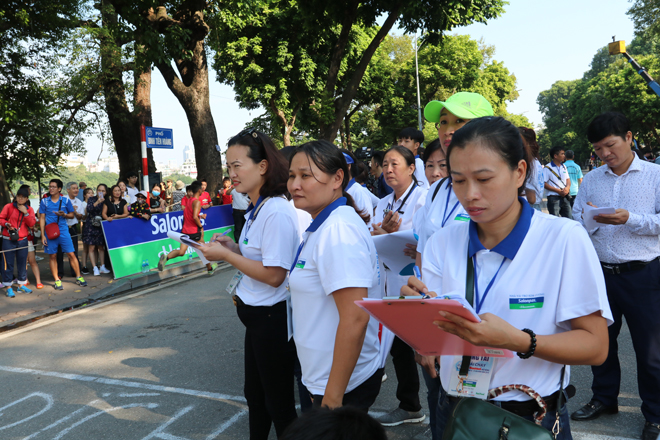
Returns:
(46, 301)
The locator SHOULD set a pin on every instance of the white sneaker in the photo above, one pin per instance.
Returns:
(103, 269)
(96, 271)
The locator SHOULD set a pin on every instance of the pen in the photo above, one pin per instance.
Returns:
(224, 233)
(418, 275)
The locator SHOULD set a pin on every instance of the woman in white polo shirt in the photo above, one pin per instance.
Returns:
(542, 298)
(336, 264)
(263, 255)
(359, 193)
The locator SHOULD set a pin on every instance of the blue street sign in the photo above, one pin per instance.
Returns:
(159, 137)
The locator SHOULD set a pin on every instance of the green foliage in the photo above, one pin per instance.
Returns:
(74, 174)
(182, 177)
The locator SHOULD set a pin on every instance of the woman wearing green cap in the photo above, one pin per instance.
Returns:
(442, 207)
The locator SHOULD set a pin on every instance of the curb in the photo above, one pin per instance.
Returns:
(117, 288)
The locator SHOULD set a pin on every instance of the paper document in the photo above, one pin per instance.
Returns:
(590, 212)
(184, 239)
(390, 251)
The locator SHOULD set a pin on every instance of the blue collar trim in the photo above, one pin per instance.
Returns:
(509, 246)
(417, 156)
(350, 183)
(252, 205)
(323, 215)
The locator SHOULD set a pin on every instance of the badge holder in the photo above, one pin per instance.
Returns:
(233, 284)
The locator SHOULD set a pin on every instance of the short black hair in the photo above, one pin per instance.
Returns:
(555, 150)
(608, 124)
(131, 174)
(337, 424)
(195, 186)
(203, 181)
(412, 133)
(378, 157)
(58, 182)
(431, 148)
(569, 154)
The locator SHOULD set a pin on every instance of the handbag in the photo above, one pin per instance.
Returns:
(53, 229)
(476, 419)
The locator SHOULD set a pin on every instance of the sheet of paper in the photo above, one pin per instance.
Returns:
(390, 251)
(590, 212)
(182, 238)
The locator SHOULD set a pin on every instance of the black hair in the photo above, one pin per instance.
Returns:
(188, 188)
(363, 173)
(58, 182)
(110, 197)
(412, 133)
(499, 135)
(345, 423)
(203, 181)
(431, 148)
(195, 186)
(529, 138)
(261, 147)
(608, 124)
(329, 159)
(23, 192)
(569, 154)
(224, 179)
(352, 167)
(555, 150)
(407, 156)
(378, 157)
(131, 174)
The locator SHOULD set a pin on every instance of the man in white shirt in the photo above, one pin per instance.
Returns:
(628, 246)
(131, 187)
(74, 230)
(239, 204)
(558, 184)
(412, 139)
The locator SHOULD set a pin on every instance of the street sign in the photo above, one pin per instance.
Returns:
(159, 137)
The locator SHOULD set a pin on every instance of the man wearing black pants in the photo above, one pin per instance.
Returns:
(628, 248)
(558, 184)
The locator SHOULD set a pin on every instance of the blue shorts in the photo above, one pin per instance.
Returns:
(64, 241)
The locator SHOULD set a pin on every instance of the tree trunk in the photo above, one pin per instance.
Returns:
(4, 188)
(193, 95)
(342, 137)
(347, 129)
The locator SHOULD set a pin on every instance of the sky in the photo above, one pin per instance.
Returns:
(539, 41)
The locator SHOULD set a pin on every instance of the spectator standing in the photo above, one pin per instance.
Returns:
(115, 207)
(178, 195)
(628, 247)
(535, 182)
(377, 171)
(360, 194)
(73, 225)
(156, 204)
(575, 174)
(16, 218)
(124, 191)
(87, 193)
(54, 209)
(93, 235)
(82, 186)
(34, 232)
(132, 189)
(205, 197)
(558, 184)
(225, 193)
(412, 139)
(239, 204)
(169, 190)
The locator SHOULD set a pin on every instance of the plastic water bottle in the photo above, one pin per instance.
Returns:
(142, 267)
(190, 257)
(146, 266)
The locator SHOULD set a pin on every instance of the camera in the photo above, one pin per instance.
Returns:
(364, 153)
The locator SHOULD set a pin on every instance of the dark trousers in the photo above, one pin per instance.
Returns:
(446, 406)
(361, 397)
(634, 295)
(73, 231)
(559, 206)
(239, 222)
(434, 390)
(14, 251)
(269, 364)
(405, 367)
(571, 200)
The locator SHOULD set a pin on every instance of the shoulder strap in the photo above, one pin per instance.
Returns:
(437, 188)
(556, 175)
(469, 296)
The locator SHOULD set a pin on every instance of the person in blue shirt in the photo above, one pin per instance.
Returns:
(575, 173)
(56, 209)
(377, 171)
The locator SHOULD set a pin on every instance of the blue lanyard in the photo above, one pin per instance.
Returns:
(476, 284)
(350, 183)
(318, 221)
(445, 216)
(252, 209)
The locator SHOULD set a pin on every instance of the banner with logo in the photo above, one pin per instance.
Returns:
(132, 241)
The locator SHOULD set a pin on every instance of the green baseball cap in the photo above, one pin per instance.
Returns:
(465, 105)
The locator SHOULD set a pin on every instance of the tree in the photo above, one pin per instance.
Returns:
(644, 14)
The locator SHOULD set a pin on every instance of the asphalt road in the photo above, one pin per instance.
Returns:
(166, 363)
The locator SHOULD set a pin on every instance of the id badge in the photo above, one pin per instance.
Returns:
(233, 284)
(477, 382)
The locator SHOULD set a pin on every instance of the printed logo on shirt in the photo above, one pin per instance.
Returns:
(245, 241)
(524, 302)
(462, 218)
(300, 264)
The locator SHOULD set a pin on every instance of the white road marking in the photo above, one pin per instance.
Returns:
(123, 383)
(226, 425)
(64, 419)
(139, 394)
(49, 404)
(158, 432)
(105, 411)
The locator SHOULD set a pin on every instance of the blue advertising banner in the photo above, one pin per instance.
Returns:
(159, 137)
(131, 241)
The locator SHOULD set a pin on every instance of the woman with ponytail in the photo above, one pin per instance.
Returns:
(336, 264)
(395, 213)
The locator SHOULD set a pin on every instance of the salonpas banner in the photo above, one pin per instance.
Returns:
(130, 241)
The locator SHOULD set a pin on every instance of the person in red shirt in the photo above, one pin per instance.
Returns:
(205, 197)
(226, 191)
(192, 227)
(16, 219)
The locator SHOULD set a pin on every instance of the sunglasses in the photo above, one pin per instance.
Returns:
(247, 132)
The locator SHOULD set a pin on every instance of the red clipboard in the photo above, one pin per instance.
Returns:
(412, 321)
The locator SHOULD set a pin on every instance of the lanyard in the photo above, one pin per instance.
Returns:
(350, 183)
(254, 211)
(445, 216)
(318, 221)
(477, 302)
(391, 204)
